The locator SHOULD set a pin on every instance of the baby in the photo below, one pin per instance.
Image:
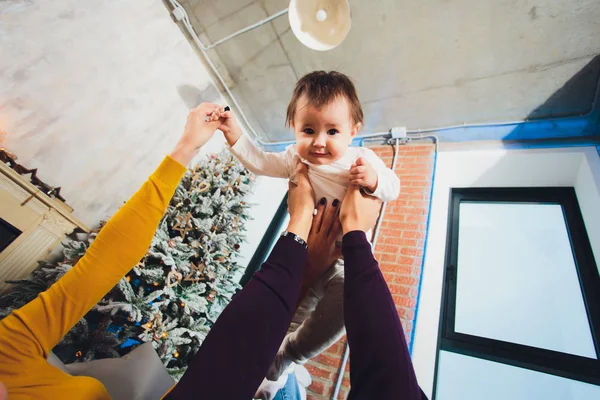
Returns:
(326, 115)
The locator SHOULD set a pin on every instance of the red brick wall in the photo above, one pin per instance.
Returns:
(399, 251)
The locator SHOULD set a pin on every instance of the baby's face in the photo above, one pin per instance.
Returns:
(323, 134)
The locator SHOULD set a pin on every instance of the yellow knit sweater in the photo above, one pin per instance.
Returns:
(28, 334)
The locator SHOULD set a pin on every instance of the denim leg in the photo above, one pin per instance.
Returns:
(290, 391)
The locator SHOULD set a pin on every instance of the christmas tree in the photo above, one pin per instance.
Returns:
(175, 293)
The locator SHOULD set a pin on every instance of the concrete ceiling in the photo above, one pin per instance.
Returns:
(418, 64)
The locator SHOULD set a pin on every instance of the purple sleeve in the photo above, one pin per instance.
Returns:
(380, 365)
(238, 350)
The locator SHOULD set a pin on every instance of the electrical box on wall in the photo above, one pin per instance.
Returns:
(398, 132)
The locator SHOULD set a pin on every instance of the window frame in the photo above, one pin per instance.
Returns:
(542, 360)
(267, 242)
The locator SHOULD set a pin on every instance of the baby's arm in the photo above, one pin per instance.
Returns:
(277, 165)
(260, 162)
(371, 173)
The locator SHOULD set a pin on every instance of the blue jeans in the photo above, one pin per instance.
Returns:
(290, 391)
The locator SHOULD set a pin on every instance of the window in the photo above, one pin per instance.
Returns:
(521, 298)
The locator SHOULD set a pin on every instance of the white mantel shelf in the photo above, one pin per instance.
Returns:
(43, 221)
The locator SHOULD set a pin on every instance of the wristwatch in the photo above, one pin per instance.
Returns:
(295, 237)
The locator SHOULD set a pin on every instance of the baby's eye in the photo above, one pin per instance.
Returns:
(332, 132)
(308, 131)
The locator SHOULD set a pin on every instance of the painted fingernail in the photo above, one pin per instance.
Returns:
(322, 201)
(226, 108)
(335, 203)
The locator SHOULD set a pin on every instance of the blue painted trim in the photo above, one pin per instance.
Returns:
(558, 128)
(414, 327)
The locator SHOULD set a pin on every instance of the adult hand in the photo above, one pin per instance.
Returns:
(358, 212)
(196, 133)
(322, 248)
(301, 203)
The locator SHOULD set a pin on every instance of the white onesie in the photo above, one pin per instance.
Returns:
(329, 181)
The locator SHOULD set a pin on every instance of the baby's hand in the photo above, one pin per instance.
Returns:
(229, 125)
(364, 175)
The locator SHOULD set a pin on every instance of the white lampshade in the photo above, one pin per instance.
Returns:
(320, 24)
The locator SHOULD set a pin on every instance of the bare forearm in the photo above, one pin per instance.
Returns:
(184, 153)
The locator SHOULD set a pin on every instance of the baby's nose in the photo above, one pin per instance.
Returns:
(319, 141)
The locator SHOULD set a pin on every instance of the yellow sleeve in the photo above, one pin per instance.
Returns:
(34, 329)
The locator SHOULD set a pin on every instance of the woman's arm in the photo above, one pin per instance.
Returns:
(239, 348)
(33, 330)
(380, 362)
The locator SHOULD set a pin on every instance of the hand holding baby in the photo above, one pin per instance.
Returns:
(363, 174)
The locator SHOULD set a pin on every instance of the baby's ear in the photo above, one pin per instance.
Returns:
(355, 129)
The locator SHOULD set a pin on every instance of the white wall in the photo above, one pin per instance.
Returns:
(578, 167)
(265, 199)
(94, 94)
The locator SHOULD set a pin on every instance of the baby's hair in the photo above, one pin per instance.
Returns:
(321, 88)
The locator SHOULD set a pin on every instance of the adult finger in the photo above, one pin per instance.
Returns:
(318, 217)
(206, 107)
(330, 216)
(302, 175)
(226, 115)
(301, 195)
(336, 228)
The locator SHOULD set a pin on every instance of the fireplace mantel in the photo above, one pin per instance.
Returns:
(42, 220)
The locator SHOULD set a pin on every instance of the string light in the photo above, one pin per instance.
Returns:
(128, 278)
(164, 334)
(149, 325)
(155, 283)
(176, 354)
(182, 304)
(78, 354)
